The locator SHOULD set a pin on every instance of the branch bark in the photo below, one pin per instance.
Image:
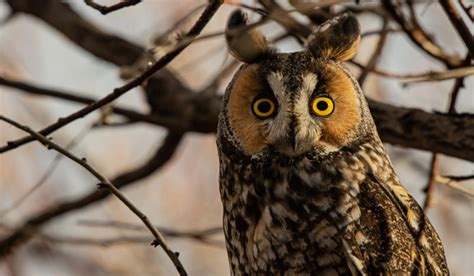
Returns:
(449, 134)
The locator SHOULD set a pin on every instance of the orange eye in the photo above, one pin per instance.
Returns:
(322, 106)
(263, 108)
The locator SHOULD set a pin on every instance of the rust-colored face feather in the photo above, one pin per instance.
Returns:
(294, 127)
(347, 112)
(251, 130)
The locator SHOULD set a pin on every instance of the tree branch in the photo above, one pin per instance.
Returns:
(282, 17)
(29, 228)
(199, 114)
(419, 36)
(60, 16)
(195, 30)
(421, 77)
(375, 56)
(175, 123)
(448, 134)
(51, 168)
(458, 84)
(104, 183)
(460, 25)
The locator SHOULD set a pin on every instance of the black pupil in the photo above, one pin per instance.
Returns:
(322, 105)
(264, 107)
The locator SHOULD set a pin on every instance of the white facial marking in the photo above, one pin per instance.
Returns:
(307, 131)
(275, 80)
(279, 125)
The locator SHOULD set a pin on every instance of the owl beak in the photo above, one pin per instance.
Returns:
(293, 142)
(292, 138)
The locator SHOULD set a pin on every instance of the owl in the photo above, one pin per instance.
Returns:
(306, 184)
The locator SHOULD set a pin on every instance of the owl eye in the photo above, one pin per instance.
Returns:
(322, 106)
(263, 108)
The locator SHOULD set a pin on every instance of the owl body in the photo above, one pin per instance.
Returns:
(306, 185)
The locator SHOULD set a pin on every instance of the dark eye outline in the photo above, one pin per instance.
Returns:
(322, 113)
(264, 115)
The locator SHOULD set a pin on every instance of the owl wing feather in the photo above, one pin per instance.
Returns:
(394, 236)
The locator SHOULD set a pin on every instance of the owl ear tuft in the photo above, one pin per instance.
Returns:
(336, 39)
(247, 45)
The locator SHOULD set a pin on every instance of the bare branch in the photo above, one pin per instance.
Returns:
(448, 134)
(460, 178)
(454, 184)
(428, 189)
(458, 84)
(47, 173)
(162, 62)
(105, 183)
(108, 9)
(375, 56)
(468, 9)
(202, 236)
(106, 242)
(131, 115)
(29, 228)
(135, 227)
(459, 24)
(422, 77)
(419, 36)
(63, 18)
(282, 17)
(440, 76)
(198, 235)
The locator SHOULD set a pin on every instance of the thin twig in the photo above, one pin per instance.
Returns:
(420, 77)
(165, 231)
(105, 183)
(459, 178)
(377, 32)
(202, 236)
(375, 56)
(458, 84)
(459, 24)
(454, 184)
(25, 232)
(198, 235)
(108, 9)
(419, 36)
(283, 17)
(206, 16)
(105, 242)
(131, 115)
(428, 190)
(441, 76)
(51, 168)
(468, 9)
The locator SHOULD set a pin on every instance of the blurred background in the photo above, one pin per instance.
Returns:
(181, 196)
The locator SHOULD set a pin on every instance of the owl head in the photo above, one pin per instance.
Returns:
(294, 103)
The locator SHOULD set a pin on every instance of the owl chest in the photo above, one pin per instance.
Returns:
(287, 219)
